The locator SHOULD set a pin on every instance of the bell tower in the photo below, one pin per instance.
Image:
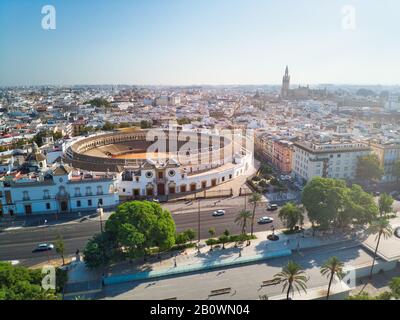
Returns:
(285, 84)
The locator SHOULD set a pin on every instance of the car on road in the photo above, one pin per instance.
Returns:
(218, 213)
(377, 193)
(44, 247)
(265, 220)
(272, 207)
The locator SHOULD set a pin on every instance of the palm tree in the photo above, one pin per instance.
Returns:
(380, 227)
(333, 266)
(241, 219)
(292, 277)
(255, 198)
(212, 232)
(60, 248)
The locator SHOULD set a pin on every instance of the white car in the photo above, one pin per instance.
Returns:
(218, 213)
(265, 220)
(44, 247)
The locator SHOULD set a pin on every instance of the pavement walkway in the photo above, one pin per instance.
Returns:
(82, 280)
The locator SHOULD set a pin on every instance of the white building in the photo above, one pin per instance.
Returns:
(168, 179)
(331, 160)
(393, 103)
(58, 190)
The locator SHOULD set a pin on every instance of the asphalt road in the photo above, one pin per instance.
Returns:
(18, 244)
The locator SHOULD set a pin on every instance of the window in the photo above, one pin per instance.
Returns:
(78, 203)
(89, 203)
(77, 192)
(88, 191)
(99, 190)
(25, 195)
(46, 194)
(48, 206)
(149, 174)
(123, 190)
(100, 201)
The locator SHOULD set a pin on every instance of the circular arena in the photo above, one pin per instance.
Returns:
(115, 151)
(162, 163)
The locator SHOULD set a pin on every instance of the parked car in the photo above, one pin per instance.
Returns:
(272, 207)
(44, 247)
(218, 213)
(265, 220)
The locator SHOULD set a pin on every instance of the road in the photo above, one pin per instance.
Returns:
(18, 244)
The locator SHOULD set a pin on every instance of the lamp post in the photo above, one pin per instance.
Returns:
(198, 226)
(100, 213)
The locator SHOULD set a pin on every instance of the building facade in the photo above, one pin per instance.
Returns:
(277, 152)
(58, 190)
(330, 160)
(388, 155)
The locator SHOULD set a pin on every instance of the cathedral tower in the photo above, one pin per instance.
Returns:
(285, 84)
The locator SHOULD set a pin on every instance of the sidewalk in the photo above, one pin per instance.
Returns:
(193, 261)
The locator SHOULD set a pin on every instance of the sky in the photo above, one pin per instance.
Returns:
(187, 42)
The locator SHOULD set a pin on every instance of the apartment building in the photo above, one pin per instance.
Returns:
(388, 154)
(278, 152)
(329, 160)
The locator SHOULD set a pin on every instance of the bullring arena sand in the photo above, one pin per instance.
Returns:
(143, 155)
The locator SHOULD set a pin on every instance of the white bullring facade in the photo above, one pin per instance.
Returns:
(197, 161)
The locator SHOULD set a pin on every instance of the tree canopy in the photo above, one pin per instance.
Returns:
(99, 103)
(20, 283)
(369, 168)
(330, 201)
(291, 215)
(139, 225)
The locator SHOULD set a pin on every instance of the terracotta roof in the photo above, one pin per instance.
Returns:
(62, 170)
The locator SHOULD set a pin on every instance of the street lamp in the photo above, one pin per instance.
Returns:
(198, 227)
(100, 213)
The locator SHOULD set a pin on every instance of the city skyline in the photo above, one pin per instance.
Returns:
(198, 43)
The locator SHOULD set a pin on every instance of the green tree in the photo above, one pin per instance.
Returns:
(385, 204)
(394, 286)
(255, 198)
(145, 124)
(323, 198)
(60, 248)
(359, 207)
(181, 238)
(108, 126)
(147, 223)
(99, 251)
(291, 215)
(99, 103)
(369, 168)
(211, 232)
(21, 283)
(331, 268)
(292, 277)
(242, 218)
(380, 227)
(223, 239)
(190, 234)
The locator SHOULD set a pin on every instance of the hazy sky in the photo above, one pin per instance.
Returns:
(199, 42)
